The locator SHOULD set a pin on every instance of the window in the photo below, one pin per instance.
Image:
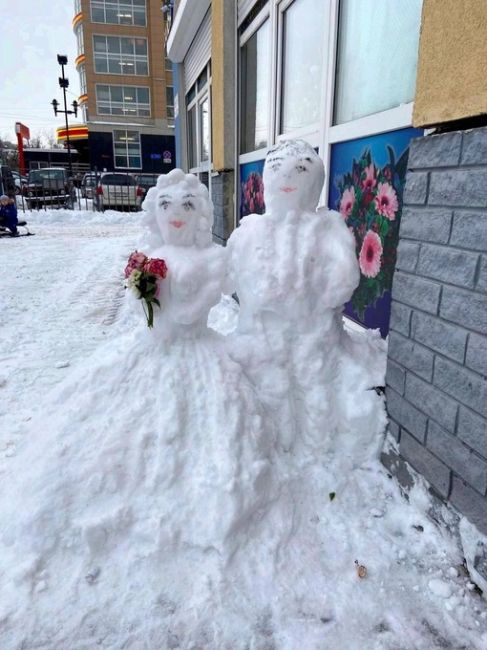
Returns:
(123, 100)
(375, 73)
(120, 55)
(82, 79)
(126, 145)
(198, 123)
(255, 68)
(84, 113)
(80, 45)
(170, 102)
(77, 7)
(118, 12)
(302, 56)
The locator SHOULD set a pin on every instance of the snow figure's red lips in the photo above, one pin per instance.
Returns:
(177, 224)
(288, 189)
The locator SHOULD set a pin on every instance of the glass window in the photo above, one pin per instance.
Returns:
(204, 130)
(126, 146)
(77, 7)
(82, 79)
(80, 46)
(123, 100)
(192, 138)
(255, 90)
(120, 55)
(119, 12)
(170, 102)
(302, 57)
(375, 74)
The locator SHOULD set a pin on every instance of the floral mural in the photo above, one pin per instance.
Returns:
(251, 189)
(368, 181)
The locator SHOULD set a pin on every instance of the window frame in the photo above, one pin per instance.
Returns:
(106, 54)
(111, 101)
(201, 94)
(323, 134)
(117, 3)
(115, 166)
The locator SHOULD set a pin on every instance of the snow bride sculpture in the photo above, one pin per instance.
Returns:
(147, 463)
(293, 269)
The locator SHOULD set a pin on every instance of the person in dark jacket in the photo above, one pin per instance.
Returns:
(8, 215)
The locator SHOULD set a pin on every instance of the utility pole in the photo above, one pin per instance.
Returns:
(62, 59)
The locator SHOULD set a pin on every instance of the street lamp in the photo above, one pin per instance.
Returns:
(62, 59)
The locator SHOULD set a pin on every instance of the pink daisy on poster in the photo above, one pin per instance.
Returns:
(386, 202)
(370, 255)
(347, 202)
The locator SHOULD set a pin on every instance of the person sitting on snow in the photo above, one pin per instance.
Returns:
(8, 215)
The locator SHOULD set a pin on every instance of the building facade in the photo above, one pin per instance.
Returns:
(126, 90)
(399, 120)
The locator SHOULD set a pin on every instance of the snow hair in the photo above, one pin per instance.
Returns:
(190, 182)
(298, 148)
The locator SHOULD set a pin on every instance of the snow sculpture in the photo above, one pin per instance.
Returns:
(293, 269)
(154, 461)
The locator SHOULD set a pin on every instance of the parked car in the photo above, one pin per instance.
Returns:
(119, 191)
(20, 181)
(49, 186)
(7, 181)
(88, 185)
(146, 181)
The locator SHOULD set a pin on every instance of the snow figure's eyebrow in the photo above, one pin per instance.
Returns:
(189, 196)
(165, 196)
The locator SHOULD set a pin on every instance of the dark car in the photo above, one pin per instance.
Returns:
(146, 181)
(49, 186)
(7, 182)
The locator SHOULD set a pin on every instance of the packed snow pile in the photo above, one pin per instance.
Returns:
(91, 217)
(187, 489)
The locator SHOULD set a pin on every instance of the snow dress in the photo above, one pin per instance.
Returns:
(152, 458)
(293, 268)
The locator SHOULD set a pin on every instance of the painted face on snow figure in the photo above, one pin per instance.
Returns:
(178, 210)
(293, 177)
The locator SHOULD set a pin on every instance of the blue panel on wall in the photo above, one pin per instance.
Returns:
(367, 178)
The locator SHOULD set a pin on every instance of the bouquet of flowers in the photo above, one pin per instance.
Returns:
(143, 274)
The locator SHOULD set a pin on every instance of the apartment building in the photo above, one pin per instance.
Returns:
(126, 91)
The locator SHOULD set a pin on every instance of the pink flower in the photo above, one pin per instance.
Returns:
(386, 201)
(347, 202)
(135, 261)
(156, 267)
(369, 182)
(370, 255)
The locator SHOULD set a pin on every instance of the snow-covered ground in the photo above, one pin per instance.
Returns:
(61, 297)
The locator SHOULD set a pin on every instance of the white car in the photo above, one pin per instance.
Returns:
(119, 191)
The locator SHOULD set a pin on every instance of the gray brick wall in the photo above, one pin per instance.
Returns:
(437, 367)
(222, 193)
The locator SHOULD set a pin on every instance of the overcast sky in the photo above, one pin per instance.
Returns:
(32, 33)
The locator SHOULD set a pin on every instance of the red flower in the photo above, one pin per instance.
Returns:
(156, 267)
(135, 261)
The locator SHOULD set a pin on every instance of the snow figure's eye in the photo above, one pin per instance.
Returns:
(301, 168)
(165, 204)
(187, 205)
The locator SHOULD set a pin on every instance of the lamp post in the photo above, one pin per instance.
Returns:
(62, 59)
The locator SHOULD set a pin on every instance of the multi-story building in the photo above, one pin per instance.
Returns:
(126, 91)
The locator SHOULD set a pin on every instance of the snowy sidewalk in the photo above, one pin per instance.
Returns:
(59, 299)
(60, 293)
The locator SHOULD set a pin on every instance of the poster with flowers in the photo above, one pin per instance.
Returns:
(367, 182)
(251, 188)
